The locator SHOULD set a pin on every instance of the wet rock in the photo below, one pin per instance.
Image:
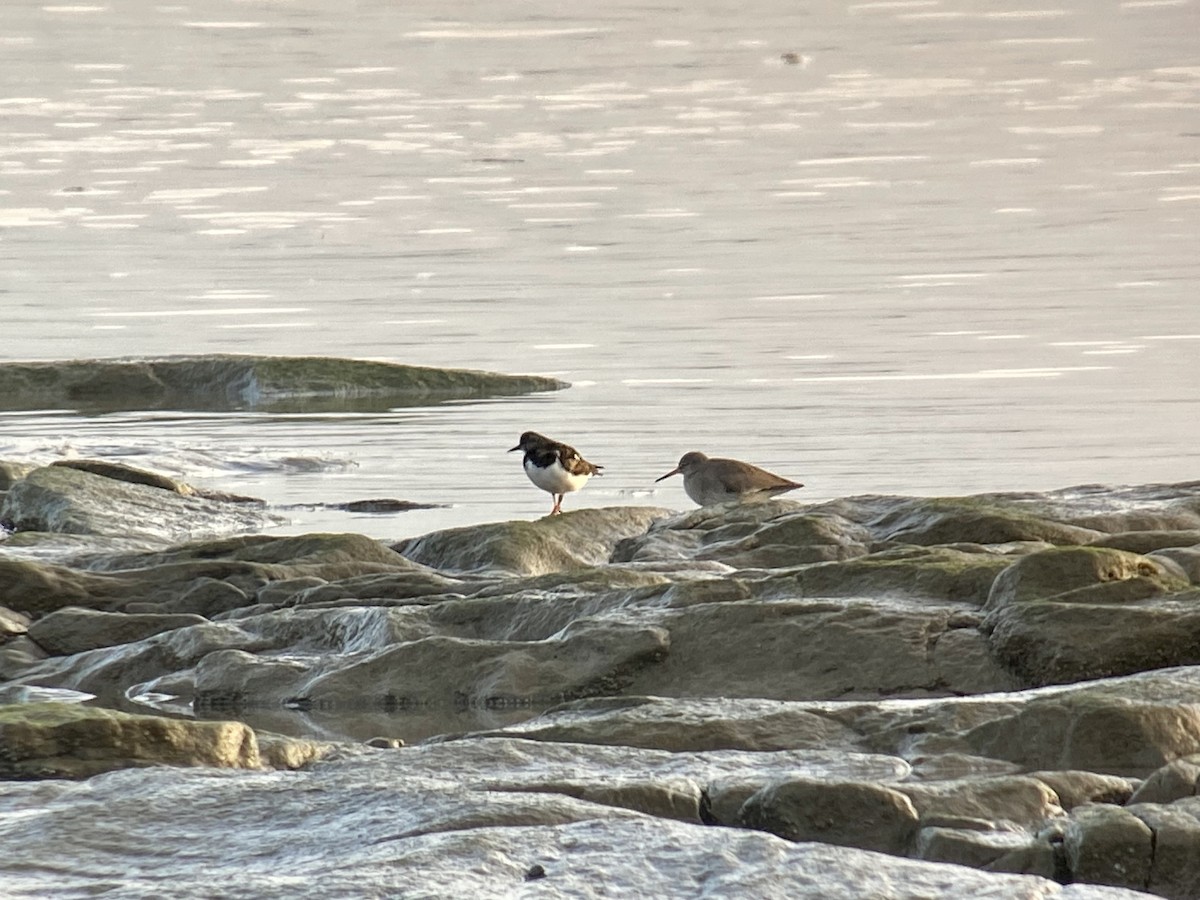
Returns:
(660, 783)
(326, 556)
(1147, 507)
(983, 849)
(74, 630)
(382, 506)
(36, 588)
(276, 593)
(976, 520)
(1074, 788)
(1144, 542)
(940, 573)
(11, 472)
(1047, 642)
(1093, 732)
(111, 671)
(62, 499)
(59, 740)
(1081, 575)
(1072, 614)
(1175, 855)
(247, 382)
(589, 657)
(1108, 845)
(17, 656)
(1186, 558)
(785, 540)
(391, 585)
(208, 597)
(1177, 779)
(576, 539)
(129, 474)
(997, 803)
(466, 841)
(770, 534)
(245, 563)
(12, 623)
(809, 636)
(680, 725)
(848, 814)
(793, 649)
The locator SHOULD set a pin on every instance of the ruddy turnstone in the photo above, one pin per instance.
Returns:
(708, 481)
(554, 467)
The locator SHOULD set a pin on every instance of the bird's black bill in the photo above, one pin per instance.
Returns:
(668, 475)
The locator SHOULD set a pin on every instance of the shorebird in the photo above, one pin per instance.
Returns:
(556, 468)
(708, 481)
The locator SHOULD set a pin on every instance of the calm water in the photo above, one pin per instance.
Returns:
(925, 246)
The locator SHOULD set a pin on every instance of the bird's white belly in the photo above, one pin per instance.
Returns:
(554, 478)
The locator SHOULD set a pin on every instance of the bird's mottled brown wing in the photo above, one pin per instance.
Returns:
(570, 460)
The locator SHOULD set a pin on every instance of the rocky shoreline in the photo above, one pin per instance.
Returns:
(778, 699)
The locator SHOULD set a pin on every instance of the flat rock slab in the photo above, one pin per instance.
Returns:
(367, 825)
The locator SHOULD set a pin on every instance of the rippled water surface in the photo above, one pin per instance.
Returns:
(923, 246)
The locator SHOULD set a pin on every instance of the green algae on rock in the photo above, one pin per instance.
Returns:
(66, 740)
(230, 381)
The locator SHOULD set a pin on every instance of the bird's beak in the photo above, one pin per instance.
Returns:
(518, 447)
(674, 471)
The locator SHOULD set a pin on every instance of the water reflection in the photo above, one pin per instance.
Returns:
(907, 246)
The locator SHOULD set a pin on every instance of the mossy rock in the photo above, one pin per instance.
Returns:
(1082, 575)
(248, 382)
(976, 520)
(936, 572)
(1149, 541)
(1052, 642)
(575, 540)
(12, 472)
(788, 540)
(64, 740)
(129, 474)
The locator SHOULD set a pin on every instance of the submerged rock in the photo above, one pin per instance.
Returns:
(218, 381)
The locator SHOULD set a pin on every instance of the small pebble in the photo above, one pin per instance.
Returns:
(535, 872)
(385, 743)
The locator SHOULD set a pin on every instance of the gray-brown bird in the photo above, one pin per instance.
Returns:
(716, 480)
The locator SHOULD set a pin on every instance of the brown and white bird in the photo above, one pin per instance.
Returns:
(716, 480)
(556, 468)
